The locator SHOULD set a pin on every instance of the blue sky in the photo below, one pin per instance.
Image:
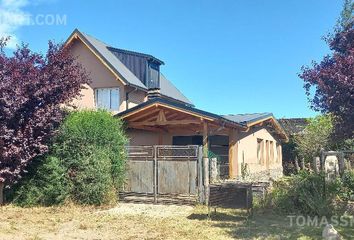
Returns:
(228, 56)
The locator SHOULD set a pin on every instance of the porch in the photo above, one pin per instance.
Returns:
(162, 122)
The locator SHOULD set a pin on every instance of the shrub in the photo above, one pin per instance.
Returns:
(348, 184)
(86, 163)
(86, 131)
(45, 184)
(307, 193)
(92, 179)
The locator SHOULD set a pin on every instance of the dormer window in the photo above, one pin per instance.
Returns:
(153, 75)
(107, 98)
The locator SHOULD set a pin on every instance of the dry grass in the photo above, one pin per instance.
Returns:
(135, 221)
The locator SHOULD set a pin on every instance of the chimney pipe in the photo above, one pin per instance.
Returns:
(153, 93)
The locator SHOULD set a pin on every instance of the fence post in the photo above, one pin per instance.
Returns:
(155, 174)
(322, 160)
(341, 163)
(213, 170)
(200, 175)
(314, 164)
(297, 165)
(206, 179)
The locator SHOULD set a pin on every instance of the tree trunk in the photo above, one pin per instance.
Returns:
(1, 193)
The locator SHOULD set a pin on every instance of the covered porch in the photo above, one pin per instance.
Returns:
(163, 122)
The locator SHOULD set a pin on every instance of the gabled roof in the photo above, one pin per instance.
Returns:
(243, 121)
(107, 56)
(176, 105)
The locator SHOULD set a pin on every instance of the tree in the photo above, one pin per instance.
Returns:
(330, 83)
(346, 15)
(33, 87)
(316, 136)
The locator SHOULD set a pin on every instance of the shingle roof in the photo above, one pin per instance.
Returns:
(247, 118)
(106, 52)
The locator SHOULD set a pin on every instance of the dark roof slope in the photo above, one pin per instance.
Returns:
(293, 125)
(247, 118)
(144, 55)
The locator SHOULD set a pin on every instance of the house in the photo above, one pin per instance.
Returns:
(132, 86)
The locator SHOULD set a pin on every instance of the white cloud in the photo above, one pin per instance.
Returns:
(12, 17)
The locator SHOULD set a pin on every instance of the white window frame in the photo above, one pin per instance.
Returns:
(110, 98)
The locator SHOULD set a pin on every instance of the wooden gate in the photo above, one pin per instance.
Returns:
(163, 173)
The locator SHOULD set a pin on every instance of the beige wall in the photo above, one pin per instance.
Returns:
(101, 77)
(247, 150)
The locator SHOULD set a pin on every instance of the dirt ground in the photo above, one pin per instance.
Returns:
(147, 221)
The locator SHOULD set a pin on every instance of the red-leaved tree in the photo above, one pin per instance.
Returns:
(333, 82)
(33, 90)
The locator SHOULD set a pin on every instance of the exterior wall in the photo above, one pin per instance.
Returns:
(247, 153)
(100, 77)
(141, 137)
(135, 97)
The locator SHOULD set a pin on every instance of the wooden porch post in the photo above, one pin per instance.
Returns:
(205, 140)
(206, 162)
(233, 154)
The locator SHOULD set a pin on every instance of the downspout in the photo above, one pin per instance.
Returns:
(127, 97)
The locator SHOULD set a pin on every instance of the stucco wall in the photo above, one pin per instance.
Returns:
(101, 77)
(247, 153)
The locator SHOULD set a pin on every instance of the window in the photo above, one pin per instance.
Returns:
(153, 76)
(107, 98)
(260, 150)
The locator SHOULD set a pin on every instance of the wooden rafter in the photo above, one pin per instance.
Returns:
(161, 117)
(141, 116)
(164, 123)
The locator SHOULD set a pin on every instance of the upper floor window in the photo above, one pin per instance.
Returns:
(153, 76)
(107, 98)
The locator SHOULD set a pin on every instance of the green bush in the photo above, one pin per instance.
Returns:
(348, 184)
(307, 193)
(86, 163)
(45, 184)
(84, 132)
(92, 179)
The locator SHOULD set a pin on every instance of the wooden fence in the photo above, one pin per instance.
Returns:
(163, 173)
